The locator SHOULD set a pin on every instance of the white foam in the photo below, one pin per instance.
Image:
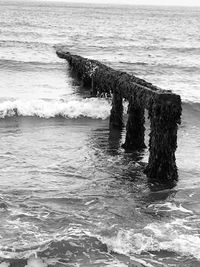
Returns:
(36, 262)
(170, 207)
(4, 264)
(129, 242)
(172, 236)
(96, 108)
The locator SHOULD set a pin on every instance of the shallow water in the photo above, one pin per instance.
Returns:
(70, 195)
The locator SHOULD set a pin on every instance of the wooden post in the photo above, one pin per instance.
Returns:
(164, 109)
(135, 126)
(164, 117)
(116, 116)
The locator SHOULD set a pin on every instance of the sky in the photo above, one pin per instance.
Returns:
(137, 2)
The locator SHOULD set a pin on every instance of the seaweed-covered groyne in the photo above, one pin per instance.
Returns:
(164, 111)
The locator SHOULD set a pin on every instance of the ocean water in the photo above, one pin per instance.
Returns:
(69, 194)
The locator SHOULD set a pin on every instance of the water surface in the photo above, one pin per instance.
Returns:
(69, 194)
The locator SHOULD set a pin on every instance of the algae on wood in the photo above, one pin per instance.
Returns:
(164, 109)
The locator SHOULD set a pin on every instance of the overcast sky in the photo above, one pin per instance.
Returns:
(137, 2)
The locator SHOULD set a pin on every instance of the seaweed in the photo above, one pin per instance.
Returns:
(164, 111)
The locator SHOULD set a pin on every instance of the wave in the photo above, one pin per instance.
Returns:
(192, 50)
(178, 49)
(181, 67)
(191, 107)
(174, 237)
(30, 65)
(95, 108)
(27, 44)
(82, 248)
(134, 63)
(158, 67)
(158, 237)
(67, 248)
(16, 33)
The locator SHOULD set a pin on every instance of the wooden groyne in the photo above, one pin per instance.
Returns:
(164, 111)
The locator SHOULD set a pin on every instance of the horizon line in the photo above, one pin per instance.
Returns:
(92, 3)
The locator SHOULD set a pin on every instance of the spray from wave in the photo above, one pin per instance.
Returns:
(176, 236)
(95, 108)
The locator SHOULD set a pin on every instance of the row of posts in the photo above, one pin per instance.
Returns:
(164, 112)
(164, 119)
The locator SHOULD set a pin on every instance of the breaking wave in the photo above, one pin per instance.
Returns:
(174, 237)
(95, 108)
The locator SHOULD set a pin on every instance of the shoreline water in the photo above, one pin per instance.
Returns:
(67, 189)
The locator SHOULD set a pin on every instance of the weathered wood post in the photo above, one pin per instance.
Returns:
(164, 114)
(135, 126)
(164, 109)
(116, 114)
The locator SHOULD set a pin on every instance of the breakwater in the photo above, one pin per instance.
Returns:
(164, 111)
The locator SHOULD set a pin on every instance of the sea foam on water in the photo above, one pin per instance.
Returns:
(95, 108)
(36, 262)
(4, 264)
(174, 237)
(35, 82)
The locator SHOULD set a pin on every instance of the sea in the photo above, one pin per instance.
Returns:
(69, 194)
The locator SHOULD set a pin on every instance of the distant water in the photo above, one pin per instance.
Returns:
(69, 194)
